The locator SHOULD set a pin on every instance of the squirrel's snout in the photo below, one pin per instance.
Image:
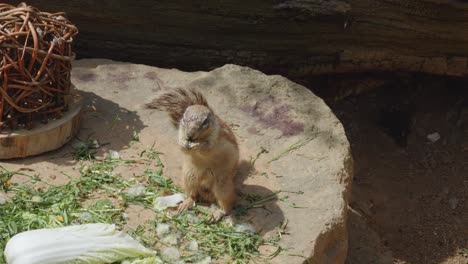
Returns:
(189, 145)
(186, 144)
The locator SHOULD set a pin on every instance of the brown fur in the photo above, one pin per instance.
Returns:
(210, 161)
(176, 102)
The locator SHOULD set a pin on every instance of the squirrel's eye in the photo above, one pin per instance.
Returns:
(205, 123)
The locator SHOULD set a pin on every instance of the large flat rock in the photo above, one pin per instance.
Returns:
(307, 154)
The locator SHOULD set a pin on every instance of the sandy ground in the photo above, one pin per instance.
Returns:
(409, 196)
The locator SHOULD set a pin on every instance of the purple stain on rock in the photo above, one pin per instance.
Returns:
(119, 76)
(120, 79)
(85, 76)
(151, 75)
(111, 67)
(253, 130)
(273, 114)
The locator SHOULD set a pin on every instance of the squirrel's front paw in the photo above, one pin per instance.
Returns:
(186, 204)
(217, 215)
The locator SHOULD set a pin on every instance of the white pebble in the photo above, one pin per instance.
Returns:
(3, 198)
(170, 254)
(229, 221)
(245, 227)
(193, 245)
(86, 216)
(114, 154)
(85, 169)
(125, 216)
(453, 202)
(94, 144)
(163, 202)
(171, 239)
(433, 137)
(206, 260)
(191, 218)
(162, 229)
(136, 191)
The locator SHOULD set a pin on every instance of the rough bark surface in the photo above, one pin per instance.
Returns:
(295, 38)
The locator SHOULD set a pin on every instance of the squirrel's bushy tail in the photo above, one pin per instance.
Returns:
(176, 101)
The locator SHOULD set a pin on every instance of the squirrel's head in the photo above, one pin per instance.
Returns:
(198, 128)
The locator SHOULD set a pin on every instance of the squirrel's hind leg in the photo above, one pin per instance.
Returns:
(225, 197)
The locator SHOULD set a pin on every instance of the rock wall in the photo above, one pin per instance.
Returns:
(290, 37)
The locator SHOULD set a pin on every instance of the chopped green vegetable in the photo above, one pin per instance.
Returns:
(102, 196)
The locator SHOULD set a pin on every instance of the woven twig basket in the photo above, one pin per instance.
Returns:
(35, 65)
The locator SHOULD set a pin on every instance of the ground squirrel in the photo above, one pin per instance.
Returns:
(210, 151)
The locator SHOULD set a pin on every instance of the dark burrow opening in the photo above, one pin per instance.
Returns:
(409, 140)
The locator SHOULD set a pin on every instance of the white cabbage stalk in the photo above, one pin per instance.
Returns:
(89, 243)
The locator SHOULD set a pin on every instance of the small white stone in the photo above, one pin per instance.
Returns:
(114, 154)
(163, 202)
(3, 198)
(86, 216)
(94, 144)
(162, 229)
(191, 218)
(36, 199)
(170, 254)
(206, 260)
(453, 202)
(229, 221)
(171, 239)
(433, 137)
(136, 191)
(85, 169)
(245, 227)
(193, 245)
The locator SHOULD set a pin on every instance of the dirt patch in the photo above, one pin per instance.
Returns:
(409, 201)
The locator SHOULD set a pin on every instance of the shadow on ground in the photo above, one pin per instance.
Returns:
(267, 215)
(409, 201)
(111, 125)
